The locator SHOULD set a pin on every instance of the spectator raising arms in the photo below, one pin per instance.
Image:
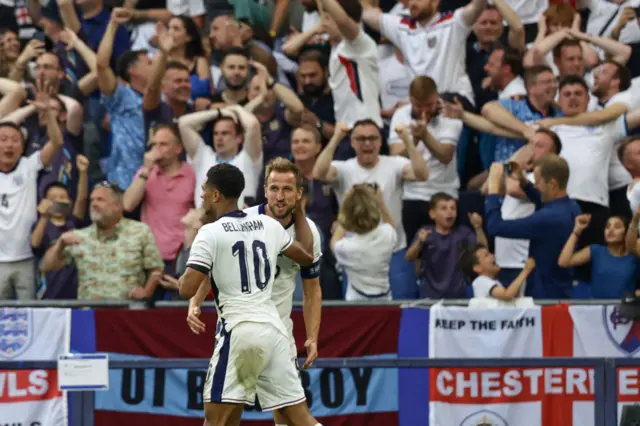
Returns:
(614, 268)
(366, 251)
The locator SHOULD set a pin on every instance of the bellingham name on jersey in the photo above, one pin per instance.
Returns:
(255, 225)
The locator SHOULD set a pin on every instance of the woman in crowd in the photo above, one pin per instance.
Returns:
(363, 244)
(188, 49)
(614, 267)
(9, 51)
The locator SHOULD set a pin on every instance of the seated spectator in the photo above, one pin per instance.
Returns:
(363, 243)
(18, 195)
(59, 214)
(547, 229)
(165, 187)
(479, 265)
(117, 258)
(613, 268)
(437, 248)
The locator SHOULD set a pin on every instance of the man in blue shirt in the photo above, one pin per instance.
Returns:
(547, 228)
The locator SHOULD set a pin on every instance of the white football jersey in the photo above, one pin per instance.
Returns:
(239, 253)
(287, 270)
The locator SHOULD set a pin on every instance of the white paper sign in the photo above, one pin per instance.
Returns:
(83, 372)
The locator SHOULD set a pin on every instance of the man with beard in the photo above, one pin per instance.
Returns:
(18, 189)
(432, 43)
(129, 265)
(316, 95)
(235, 72)
(169, 78)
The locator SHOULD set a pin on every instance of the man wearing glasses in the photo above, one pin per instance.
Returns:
(117, 258)
(386, 174)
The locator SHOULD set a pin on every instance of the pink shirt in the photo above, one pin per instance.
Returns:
(166, 201)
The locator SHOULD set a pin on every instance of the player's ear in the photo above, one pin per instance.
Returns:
(299, 195)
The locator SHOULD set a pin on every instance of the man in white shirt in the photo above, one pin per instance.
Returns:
(18, 200)
(439, 136)
(432, 43)
(353, 65)
(388, 174)
(503, 69)
(629, 153)
(237, 139)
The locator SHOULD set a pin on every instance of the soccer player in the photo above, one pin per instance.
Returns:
(283, 190)
(251, 358)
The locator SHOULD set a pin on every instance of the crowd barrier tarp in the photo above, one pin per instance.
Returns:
(338, 397)
(31, 397)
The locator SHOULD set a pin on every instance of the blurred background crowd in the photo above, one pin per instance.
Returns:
(449, 148)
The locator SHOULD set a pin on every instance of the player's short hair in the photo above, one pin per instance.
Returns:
(317, 136)
(622, 149)
(573, 79)
(359, 210)
(622, 73)
(554, 167)
(557, 143)
(438, 197)
(531, 74)
(469, 259)
(226, 178)
(282, 165)
(557, 51)
(422, 88)
(127, 60)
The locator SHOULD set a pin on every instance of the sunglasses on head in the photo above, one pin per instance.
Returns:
(106, 184)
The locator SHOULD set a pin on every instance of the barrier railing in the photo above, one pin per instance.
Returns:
(605, 375)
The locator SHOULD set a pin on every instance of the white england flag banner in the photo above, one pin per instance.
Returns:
(492, 396)
(600, 331)
(31, 397)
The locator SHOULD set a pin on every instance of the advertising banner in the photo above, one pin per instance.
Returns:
(355, 396)
(31, 397)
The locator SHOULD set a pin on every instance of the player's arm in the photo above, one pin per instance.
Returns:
(312, 313)
(200, 261)
(298, 254)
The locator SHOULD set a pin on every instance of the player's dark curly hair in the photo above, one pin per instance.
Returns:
(226, 178)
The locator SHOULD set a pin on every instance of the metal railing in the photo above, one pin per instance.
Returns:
(605, 375)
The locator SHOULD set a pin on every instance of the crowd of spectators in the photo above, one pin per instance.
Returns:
(431, 134)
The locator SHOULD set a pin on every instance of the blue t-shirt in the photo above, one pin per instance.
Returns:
(612, 276)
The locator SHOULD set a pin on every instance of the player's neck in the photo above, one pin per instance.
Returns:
(226, 208)
(285, 221)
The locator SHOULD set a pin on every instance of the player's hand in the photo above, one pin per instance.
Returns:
(193, 320)
(312, 353)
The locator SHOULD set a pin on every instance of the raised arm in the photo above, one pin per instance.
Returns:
(54, 133)
(153, 92)
(417, 169)
(322, 169)
(456, 111)
(569, 258)
(472, 11)
(347, 26)
(296, 42)
(252, 131)
(619, 52)
(632, 242)
(107, 81)
(498, 115)
(537, 55)
(371, 17)
(293, 105)
(190, 125)
(69, 15)
(13, 96)
(516, 29)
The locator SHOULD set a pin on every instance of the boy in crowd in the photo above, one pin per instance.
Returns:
(437, 248)
(479, 265)
(58, 214)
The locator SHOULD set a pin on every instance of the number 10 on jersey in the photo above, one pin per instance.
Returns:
(261, 265)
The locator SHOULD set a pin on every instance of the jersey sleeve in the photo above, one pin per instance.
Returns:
(396, 120)
(313, 271)
(451, 130)
(202, 254)
(390, 27)
(283, 238)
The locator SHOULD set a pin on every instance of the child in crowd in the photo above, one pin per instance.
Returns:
(479, 265)
(437, 248)
(57, 215)
(614, 268)
(363, 243)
